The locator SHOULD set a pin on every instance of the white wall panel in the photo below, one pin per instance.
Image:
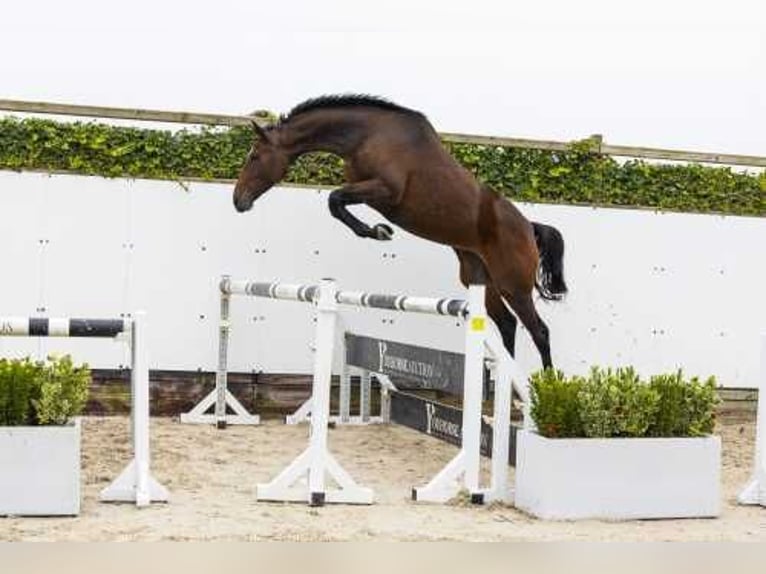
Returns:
(658, 291)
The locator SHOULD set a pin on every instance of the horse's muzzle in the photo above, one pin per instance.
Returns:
(242, 202)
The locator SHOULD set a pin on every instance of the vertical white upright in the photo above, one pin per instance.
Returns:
(473, 386)
(501, 419)
(755, 490)
(140, 386)
(327, 316)
(135, 483)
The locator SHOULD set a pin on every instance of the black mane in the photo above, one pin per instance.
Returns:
(347, 101)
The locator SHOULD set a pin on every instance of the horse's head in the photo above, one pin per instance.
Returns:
(266, 164)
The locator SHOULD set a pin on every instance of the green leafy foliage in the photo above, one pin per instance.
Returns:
(63, 391)
(617, 403)
(686, 407)
(577, 175)
(19, 388)
(554, 405)
(42, 393)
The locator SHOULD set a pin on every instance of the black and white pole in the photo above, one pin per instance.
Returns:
(220, 399)
(305, 478)
(755, 490)
(135, 483)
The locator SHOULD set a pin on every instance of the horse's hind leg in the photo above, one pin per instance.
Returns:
(524, 308)
(472, 270)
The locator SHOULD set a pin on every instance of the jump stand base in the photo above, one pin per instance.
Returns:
(754, 493)
(199, 415)
(291, 485)
(447, 484)
(125, 488)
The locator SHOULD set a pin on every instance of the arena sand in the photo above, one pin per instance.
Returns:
(211, 476)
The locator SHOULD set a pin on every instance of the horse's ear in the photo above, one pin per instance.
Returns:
(260, 132)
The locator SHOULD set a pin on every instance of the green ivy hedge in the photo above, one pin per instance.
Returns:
(577, 176)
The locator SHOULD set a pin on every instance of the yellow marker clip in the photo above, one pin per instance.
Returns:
(478, 323)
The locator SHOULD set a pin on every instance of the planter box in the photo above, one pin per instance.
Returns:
(618, 478)
(40, 470)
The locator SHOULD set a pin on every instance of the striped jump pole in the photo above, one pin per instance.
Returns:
(135, 483)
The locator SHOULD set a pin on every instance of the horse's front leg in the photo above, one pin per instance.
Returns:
(371, 191)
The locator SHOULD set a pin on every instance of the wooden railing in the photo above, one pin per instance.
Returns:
(234, 120)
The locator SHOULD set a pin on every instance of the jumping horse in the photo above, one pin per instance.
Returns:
(395, 162)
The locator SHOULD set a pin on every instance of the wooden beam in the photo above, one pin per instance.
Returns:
(128, 113)
(239, 120)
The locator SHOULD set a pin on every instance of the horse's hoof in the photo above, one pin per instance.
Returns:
(382, 232)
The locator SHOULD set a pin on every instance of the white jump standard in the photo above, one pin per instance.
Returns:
(755, 490)
(135, 483)
(463, 471)
(220, 397)
(316, 461)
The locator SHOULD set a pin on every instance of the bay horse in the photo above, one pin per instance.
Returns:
(395, 162)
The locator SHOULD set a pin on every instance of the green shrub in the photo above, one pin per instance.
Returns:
(617, 403)
(42, 393)
(554, 406)
(19, 388)
(687, 408)
(63, 391)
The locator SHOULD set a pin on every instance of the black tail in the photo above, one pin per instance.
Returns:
(550, 244)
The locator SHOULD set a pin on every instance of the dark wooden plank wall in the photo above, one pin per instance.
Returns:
(175, 392)
(274, 395)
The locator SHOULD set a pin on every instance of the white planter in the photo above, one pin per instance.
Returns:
(618, 478)
(40, 470)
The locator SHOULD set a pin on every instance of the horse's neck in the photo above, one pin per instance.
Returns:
(336, 134)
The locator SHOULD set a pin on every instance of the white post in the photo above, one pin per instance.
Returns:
(755, 490)
(472, 388)
(501, 431)
(135, 483)
(327, 315)
(140, 386)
